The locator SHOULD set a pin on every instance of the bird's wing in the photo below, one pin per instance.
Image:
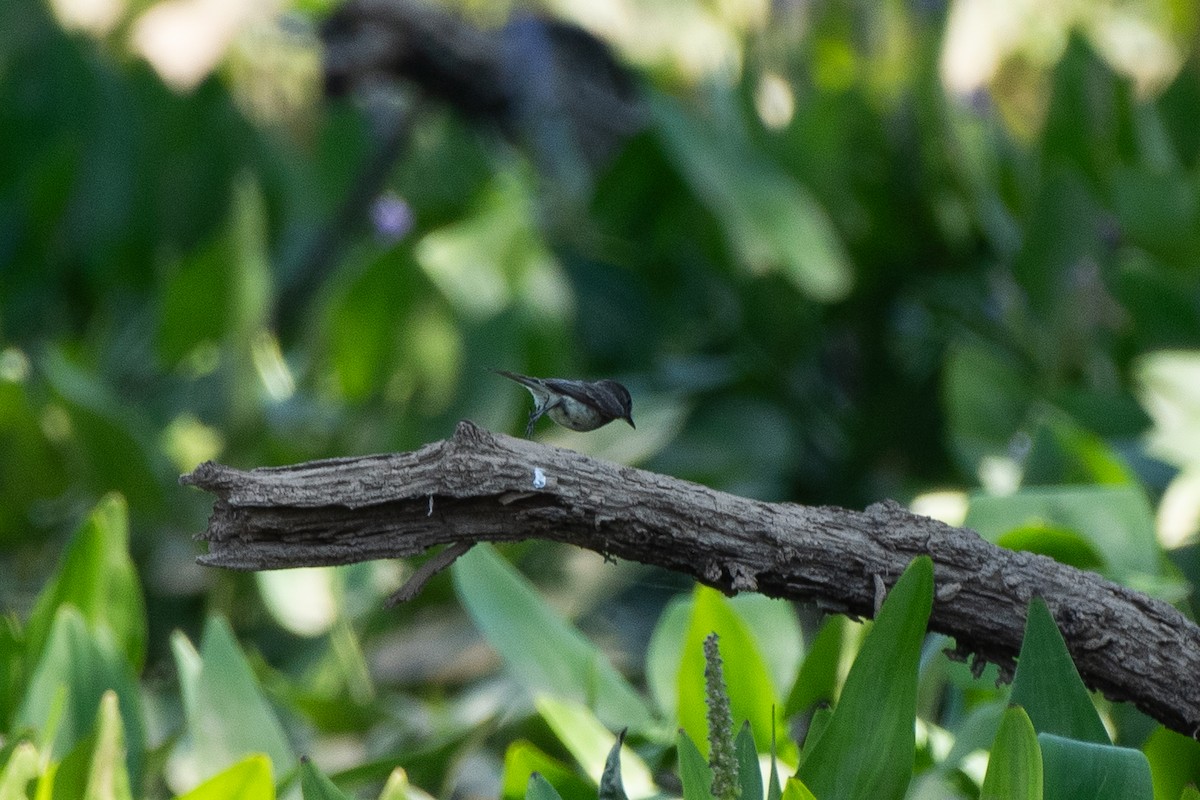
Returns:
(596, 394)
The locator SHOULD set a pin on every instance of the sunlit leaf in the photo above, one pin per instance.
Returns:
(543, 652)
(97, 577)
(77, 667)
(751, 691)
(591, 744)
(1174, 762)
(227, 716)
(248, 779)
(522, 759)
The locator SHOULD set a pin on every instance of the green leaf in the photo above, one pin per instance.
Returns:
(540, 789)
(1116, 521)
(611, 787)
(108, 778)
(1048, 686)
(751, 691)
(542, 651)
(693, 769)
(749, 773)
(772, 622)
(23, 766)
(664, 652)
(116, 439)
(14, 661)
(770, 222)
(522, 759)
(867, 750)
(817, 680)
(774, 790)
(316, 784)
(590, 743)
(248, 779)
(796, 790)
(1174, 761)
(398, 788)
(986, 393)
(1064, 545)
(1075, 769)
(1015, 766)
(78, 666)
(227, 716)
(97, 577)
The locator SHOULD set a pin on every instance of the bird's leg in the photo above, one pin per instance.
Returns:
(536, 414)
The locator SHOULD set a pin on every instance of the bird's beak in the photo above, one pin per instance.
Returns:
(629, 419)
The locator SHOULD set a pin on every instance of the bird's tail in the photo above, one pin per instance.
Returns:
(524, 380)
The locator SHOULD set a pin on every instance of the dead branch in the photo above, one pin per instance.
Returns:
(481, 486)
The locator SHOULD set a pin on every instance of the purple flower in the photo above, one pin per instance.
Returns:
(392, 217)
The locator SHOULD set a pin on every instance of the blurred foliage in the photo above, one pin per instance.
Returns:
(842, 261)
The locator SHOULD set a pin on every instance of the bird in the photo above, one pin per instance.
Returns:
(578, 405)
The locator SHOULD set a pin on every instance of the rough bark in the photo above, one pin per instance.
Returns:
(480, 486)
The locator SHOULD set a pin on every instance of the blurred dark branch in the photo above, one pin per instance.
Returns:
(480, 486)
(551, 88)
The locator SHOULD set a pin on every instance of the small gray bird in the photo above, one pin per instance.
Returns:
(578, 405)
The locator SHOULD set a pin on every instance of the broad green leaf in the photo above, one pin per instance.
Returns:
(796, 790)
(749, 772)
(78, 666)
(1116, 521)
(540, 789)
(693, 769)
(522, 759)
(663, 654)
(96, 576)
(23, 766)
(398, 788)
(590, 743)
(227, 716)
(772, 622)
(868, 748)
(1064, 545)
(542, 651)
(248, 779)
(1090, 771)
(108, 778)
(611, 787)
(1047, 685)
(818, 677)
(1015, 766)
(1174, 762)
(770, 222)
(751, 690)
(316, 784)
